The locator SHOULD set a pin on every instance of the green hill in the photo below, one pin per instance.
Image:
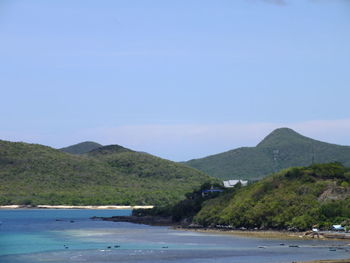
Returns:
(296, 198)
(108, 150)
(36, 174)
(81, 148)
(281, 149)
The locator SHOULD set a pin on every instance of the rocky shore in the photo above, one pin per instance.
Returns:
(146, 220)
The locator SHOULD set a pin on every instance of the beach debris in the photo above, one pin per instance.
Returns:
(338, 228)
(312, 234)
(109, 247)
(293, 246)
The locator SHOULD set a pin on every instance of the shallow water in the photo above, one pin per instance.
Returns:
(70, 236)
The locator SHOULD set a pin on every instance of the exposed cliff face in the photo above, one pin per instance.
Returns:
(334, 192)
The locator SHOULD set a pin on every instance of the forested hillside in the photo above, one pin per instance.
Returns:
(81, 148)
(36, 174)
(281, 149)
(296, 198)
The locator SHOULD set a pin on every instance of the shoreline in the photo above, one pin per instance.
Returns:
(145, 220)
(269, 234)
(92, 207)
(266, 234)
(326, 261)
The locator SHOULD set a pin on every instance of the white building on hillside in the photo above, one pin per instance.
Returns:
(232, 183)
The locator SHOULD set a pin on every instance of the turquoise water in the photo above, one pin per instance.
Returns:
(37, 230)
(70, 236)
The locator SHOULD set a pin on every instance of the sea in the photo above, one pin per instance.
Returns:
(64, 236)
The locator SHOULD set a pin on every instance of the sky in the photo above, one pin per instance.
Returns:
(179, 79)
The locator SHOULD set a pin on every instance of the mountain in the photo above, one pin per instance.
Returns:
(81, 148)
(281, 149)
(295, 198)
(107, 150)
(37, 174)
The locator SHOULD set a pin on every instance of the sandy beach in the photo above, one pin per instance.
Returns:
(76, 207)
(327, 261)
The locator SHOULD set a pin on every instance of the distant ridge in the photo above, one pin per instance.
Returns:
(109, 149)
(33, 174)
(281, 149)
(81, 148)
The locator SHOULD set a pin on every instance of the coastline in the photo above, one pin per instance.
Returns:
(93, 207)
(145, 220)
(267, 234)
(327, 261)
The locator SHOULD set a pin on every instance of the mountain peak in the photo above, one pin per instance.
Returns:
(284, 130)
(282, 136)
(281, 149)
(81, 148)
(109, 149)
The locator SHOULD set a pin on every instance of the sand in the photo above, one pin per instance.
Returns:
(76, 207)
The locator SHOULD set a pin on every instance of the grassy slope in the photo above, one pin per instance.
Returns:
(296, 197)
(81, 148)
(38, 174)
(281, 149)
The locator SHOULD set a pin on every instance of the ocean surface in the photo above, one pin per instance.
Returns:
(70, 236)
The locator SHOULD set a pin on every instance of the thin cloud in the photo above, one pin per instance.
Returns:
(274, 2)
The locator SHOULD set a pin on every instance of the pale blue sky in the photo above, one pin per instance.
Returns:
(180, 79)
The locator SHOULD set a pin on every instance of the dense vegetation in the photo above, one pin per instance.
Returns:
(283, 148)
(81, 148)
(186, 209)
(36, 174)
(295, 198)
